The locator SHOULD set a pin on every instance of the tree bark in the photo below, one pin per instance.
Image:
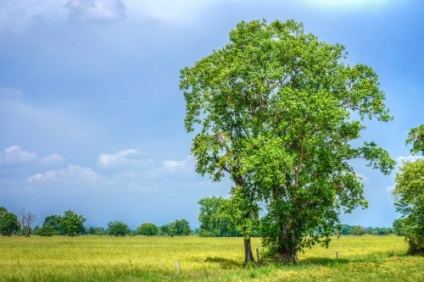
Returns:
(248, 255)
(286, 252)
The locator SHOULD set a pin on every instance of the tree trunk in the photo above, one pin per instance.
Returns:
(286, 252)
(248, 255)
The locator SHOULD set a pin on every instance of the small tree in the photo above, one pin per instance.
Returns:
(358, 230)
(182, 227)
(9, 222)
(72, 223)
(148, 229)
(214, 221)
(118, 228)
(26, 218)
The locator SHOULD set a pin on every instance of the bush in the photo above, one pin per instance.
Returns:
(148, 229)
(47, 231)
(118, 228)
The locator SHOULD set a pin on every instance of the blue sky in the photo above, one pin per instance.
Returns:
(91, 116)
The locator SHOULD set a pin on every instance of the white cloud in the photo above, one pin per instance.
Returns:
(15, 155)
(349, 4)
(72, 174)
(52, 159)
(95, 10)
(171, 10)
(352, 4)
(125, 158)
(19, 15)
(403, 159)
(172, 167)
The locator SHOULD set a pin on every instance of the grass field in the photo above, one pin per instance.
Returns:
(89, 258)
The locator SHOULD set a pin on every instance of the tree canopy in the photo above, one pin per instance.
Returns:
(52, 226)
(118, 228)
(72, 223)
(9, 222)
(214, 219)
(277, 110)
(416, 139)
(148, 229)
(409, 194)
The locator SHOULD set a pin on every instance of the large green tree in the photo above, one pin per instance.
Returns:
(9, 222)
(277, 110)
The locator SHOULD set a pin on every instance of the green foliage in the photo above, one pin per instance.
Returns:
(72, 223)
(358, 230)
(9, 222)
(276, 110)
(214, 221)
(167, 229)
(409, 201)
(398, 227)
(181, 227)
(47, 230)
(118, 228)
(54, 222)
(96, 231)
(148, 229)
(242, 211)
(3, 210)
(416, 138)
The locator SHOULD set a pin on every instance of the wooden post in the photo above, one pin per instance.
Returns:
(337, 255)
(257, 255)
(391, 252)
(177, 267)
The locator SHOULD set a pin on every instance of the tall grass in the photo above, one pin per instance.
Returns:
(92, 258)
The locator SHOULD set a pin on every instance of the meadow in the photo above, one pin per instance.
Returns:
(97, 258)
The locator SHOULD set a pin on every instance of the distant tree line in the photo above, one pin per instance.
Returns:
(216, 221)
(360, 230)
(72, 224)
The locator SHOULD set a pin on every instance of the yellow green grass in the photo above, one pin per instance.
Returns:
(88, 258)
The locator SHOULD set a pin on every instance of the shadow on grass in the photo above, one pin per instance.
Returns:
(224, 263)
(323, 261)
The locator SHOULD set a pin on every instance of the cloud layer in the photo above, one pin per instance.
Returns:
(14, 155)
(125, 158)
(96, 10)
